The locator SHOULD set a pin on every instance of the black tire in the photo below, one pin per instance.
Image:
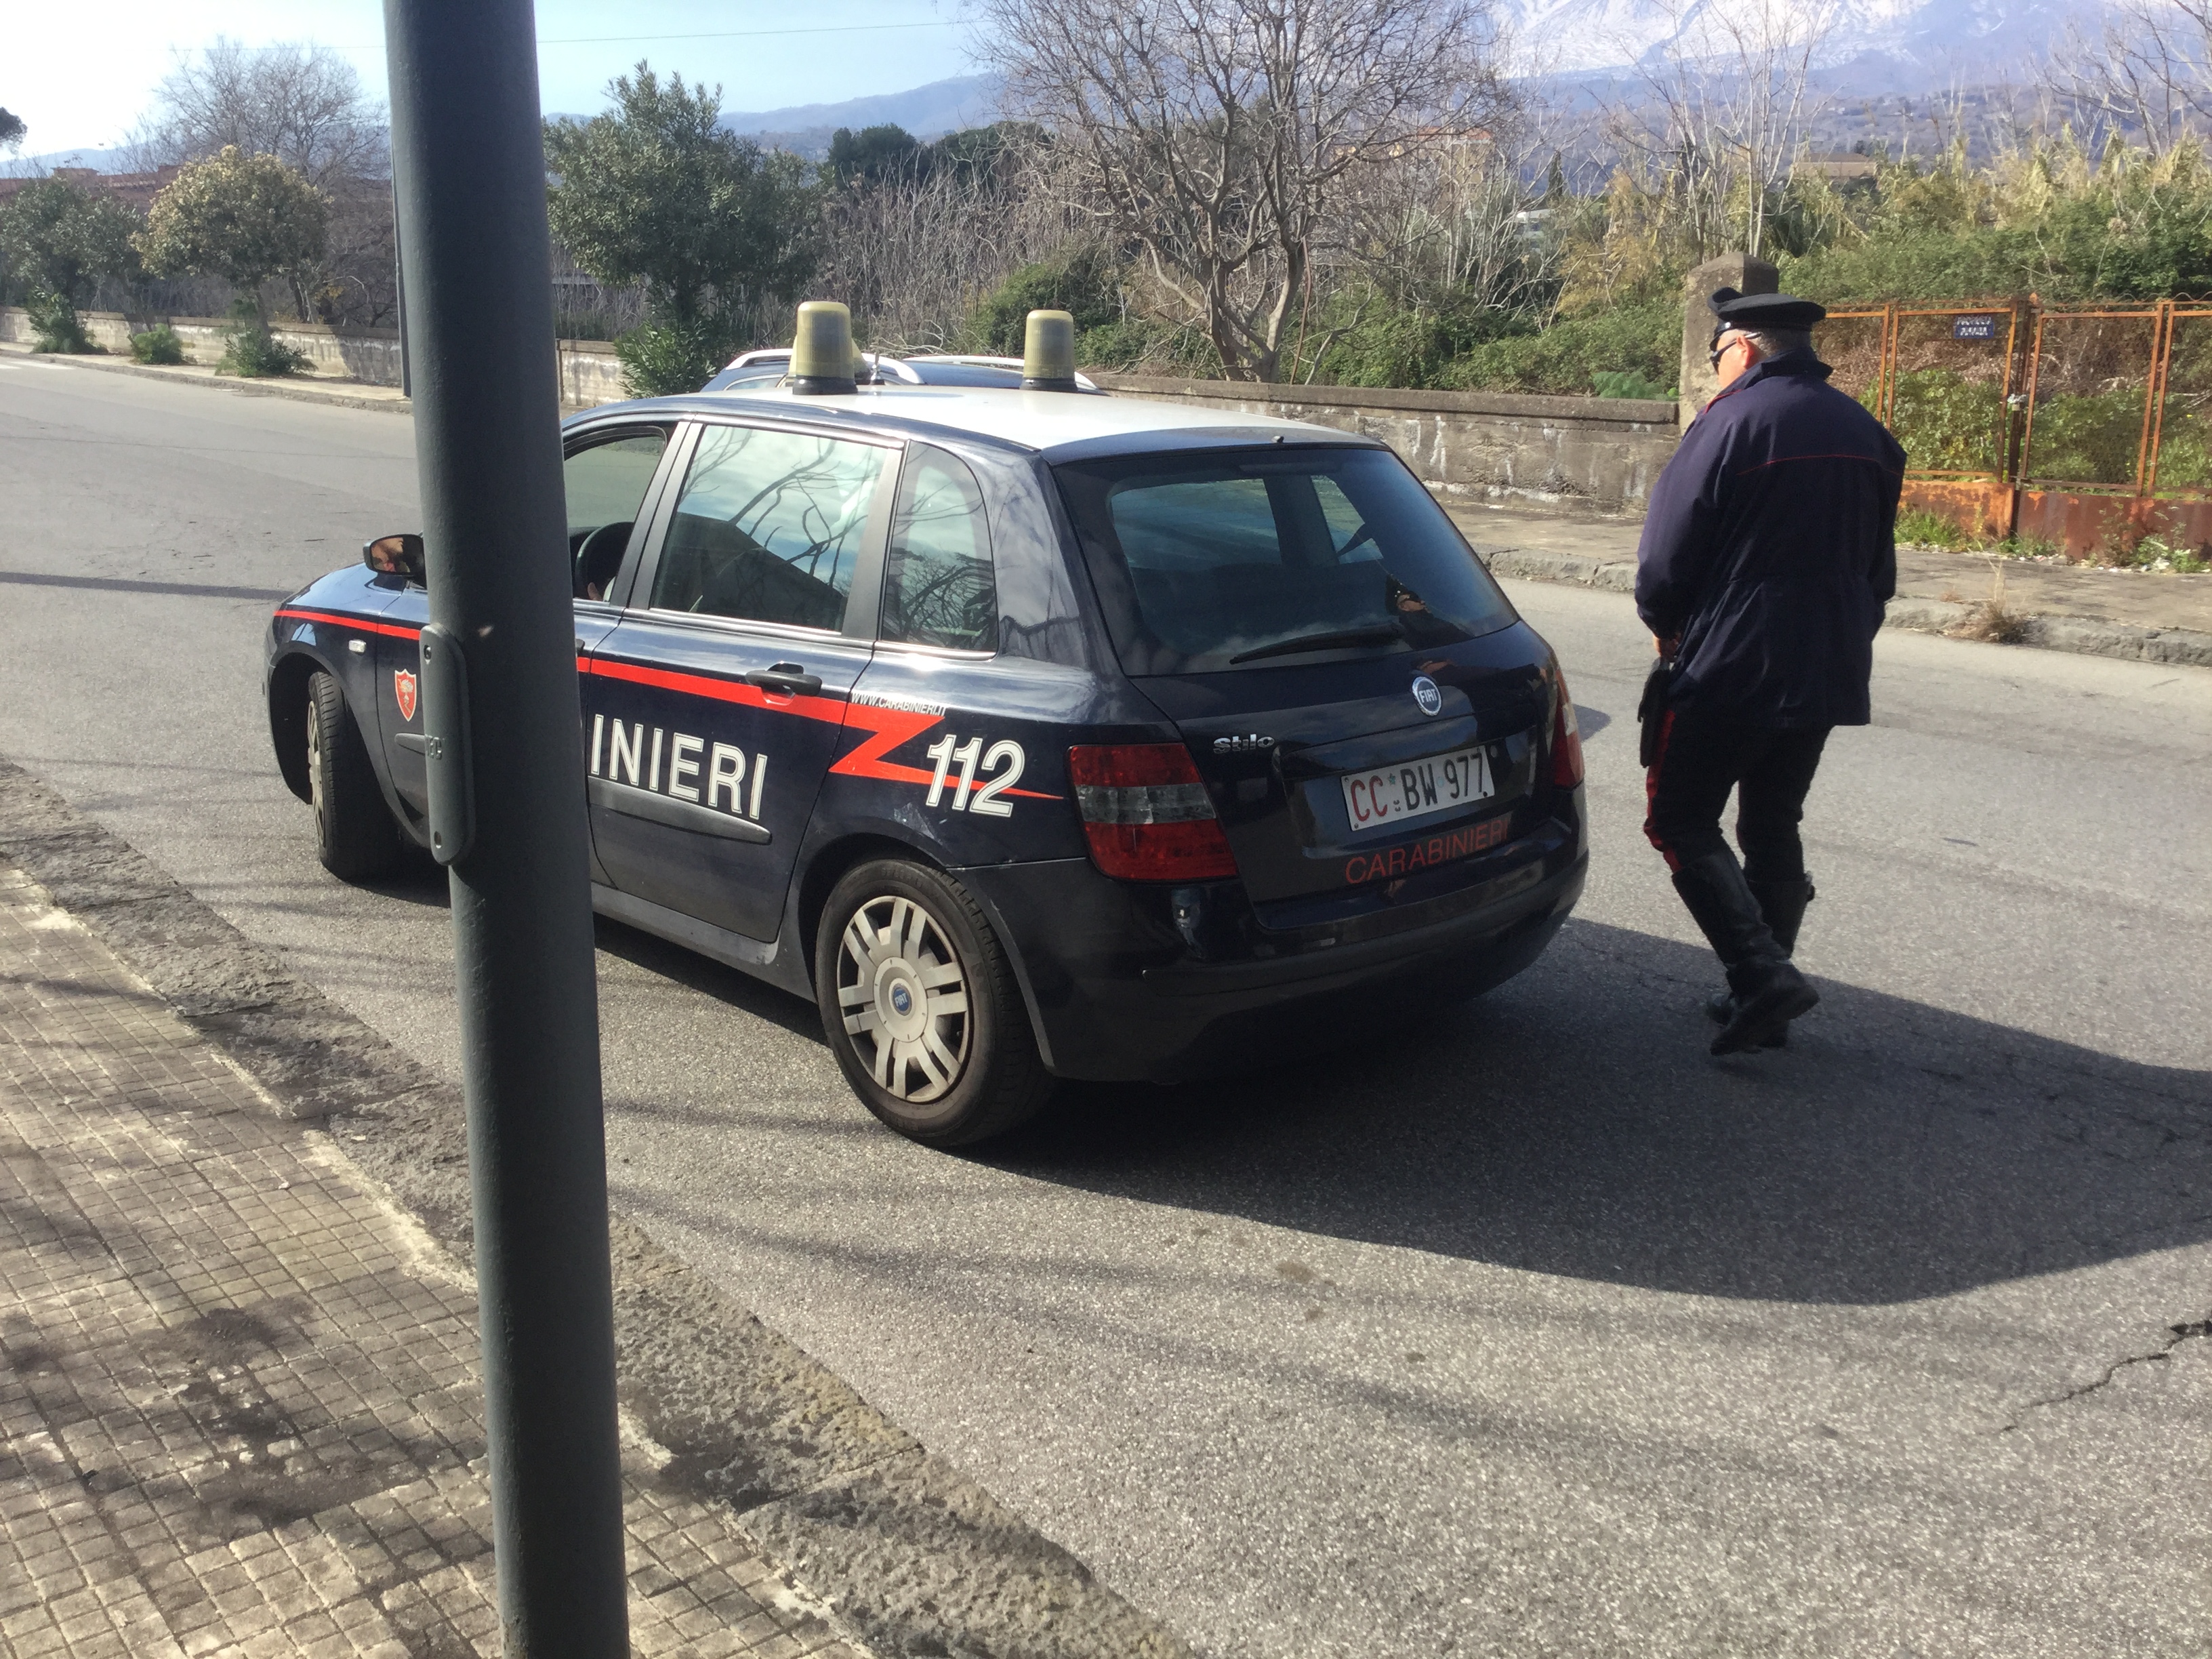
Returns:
(354, 835)
(944, 1077)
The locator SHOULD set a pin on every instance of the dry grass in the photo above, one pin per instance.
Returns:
(1993, 620)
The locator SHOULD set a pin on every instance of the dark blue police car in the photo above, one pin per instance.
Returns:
(1031, 735)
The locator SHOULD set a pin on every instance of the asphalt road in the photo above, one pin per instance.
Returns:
(1537, 1332)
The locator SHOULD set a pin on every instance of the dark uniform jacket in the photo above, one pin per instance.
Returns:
(1771, 548)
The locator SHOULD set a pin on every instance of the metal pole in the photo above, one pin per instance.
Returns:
(507, 805)
(399, 293)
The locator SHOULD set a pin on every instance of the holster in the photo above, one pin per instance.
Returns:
(1651, 709)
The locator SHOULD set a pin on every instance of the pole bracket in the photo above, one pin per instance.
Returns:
(451, 778)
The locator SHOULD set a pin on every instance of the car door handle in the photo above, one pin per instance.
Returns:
(787, 679)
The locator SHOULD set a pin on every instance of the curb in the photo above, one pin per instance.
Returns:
(2084, 636)
(915, 1556)
(298, 393)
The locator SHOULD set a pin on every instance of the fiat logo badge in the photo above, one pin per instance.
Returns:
(1426, 695)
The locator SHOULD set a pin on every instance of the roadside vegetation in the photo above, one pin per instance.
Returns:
(1396, 212)
(2121, 549)
(248, 220)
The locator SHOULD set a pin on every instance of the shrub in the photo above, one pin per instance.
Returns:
(1139, 345)
(1949, 423)
(1081, 281)
(158, 344)
(253, 353)
(2094, 438)
(55, 325)
(1643, 340)
(1993, 619)
(661, 359)
(1627, 383)
(1918, 528)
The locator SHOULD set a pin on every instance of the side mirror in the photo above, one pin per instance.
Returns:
(397, 555)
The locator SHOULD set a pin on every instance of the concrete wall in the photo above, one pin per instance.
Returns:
(589, 372)
(1573, 455)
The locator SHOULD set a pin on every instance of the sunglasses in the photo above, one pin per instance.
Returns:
(1719, 346)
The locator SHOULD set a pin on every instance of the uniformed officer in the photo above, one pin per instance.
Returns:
(1767, 557)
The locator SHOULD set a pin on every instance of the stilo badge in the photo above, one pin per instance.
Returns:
(1426, 694)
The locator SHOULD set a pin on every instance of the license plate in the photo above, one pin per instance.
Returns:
(1416, 789)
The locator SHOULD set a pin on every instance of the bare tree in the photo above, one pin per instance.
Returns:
(903, 253)
(1219, 137)
(303, 104)
(1471, 218)
(1731, 87)
(2145, 67)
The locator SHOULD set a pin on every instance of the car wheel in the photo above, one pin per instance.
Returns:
(920, 1006)
(354, 835)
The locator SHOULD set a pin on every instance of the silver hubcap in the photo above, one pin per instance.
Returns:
(904, 999)
(314, 759)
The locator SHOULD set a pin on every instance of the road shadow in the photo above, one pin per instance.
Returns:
(728, 986)
(1571, 1122)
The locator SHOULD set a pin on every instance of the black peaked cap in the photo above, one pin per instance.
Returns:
(1733, 310)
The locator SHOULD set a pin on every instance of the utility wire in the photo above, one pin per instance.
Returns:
(742, 35)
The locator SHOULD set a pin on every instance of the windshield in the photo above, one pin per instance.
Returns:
(1251, 558)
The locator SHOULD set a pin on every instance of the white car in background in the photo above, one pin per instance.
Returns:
(754, 370)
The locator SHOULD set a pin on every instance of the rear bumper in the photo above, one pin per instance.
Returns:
(1130, 983)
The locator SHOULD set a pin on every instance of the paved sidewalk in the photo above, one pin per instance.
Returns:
(238, 1413)
(2135, 599)
(300, 388)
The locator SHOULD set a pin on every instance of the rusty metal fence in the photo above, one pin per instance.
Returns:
(2017, 418)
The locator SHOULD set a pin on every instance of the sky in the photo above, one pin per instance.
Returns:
(80, 92)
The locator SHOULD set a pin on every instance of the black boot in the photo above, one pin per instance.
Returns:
(1781, 907)
(1768, 992)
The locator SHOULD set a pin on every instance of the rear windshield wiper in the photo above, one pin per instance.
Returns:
(1380, 634)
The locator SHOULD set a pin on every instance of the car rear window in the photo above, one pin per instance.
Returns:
(1260, 558)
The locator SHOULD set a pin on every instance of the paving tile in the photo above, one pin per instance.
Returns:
(238, 1416)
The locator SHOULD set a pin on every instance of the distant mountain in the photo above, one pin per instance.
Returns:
(930, 112)
(37, 166)
(1877, 45)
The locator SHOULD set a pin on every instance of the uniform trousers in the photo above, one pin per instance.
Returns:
(1700, 759)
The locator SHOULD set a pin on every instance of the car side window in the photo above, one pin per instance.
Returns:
(605, 484)
(768, 526)
(938, 588)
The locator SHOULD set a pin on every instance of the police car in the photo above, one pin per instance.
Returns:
(1031, 735)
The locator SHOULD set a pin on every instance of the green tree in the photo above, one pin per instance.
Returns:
(244, 218)
(11, 130)
(714, 229)
(59, 239)
(873, 153)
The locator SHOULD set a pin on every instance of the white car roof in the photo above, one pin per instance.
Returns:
(1045, 422)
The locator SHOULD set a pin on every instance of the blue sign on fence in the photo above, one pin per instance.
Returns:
(1984, 327)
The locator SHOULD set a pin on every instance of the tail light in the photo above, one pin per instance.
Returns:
(1566, 739)
(1146, 813)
